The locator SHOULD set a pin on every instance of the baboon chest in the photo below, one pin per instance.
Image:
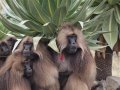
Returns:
(64, 66)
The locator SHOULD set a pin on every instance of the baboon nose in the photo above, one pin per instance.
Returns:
(29, 71)
(26, 50)
(73, 43)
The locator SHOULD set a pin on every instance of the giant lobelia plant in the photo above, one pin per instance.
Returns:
(105, 19)
(43, 17)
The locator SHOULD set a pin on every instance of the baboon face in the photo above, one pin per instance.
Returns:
(27, 49)
(72, 44)
(4, 49)
(11, 42)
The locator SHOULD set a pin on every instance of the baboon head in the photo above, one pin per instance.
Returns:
(27, 48)
(4, 49)
(70, 39)
(11, 41)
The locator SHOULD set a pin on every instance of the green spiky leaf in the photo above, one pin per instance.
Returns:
(111, 26)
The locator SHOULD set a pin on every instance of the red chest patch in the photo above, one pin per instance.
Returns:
(61, 57)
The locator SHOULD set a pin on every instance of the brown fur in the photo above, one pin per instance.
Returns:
(10, 41)
(25, 39)
(81, 64)
(3, 57)
(14, 70)
(74, 83)
(45, 75)
(16, 80)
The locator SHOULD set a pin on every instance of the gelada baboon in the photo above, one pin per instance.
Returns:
(75, 59)
(45, 76)
(31, 57)
(4, 51)
(15, 66)
(10, 41)
(6, 46)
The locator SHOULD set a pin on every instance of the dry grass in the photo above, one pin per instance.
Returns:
(116, 65)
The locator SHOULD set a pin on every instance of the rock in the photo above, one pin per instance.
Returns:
(113, 83)
(118, 88)
(100, 85)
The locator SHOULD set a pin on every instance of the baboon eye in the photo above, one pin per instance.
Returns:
(72, 39)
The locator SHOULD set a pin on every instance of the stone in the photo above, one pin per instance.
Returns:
(100, 85)
(113, 83)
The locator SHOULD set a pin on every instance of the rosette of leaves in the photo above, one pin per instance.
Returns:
(105, 19)
(43, 17)
(3, 31)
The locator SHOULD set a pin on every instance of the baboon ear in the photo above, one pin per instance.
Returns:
(79, 25)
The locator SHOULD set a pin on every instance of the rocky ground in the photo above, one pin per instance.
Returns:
(111, 83)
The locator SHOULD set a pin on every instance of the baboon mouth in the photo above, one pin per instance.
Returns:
(28, 75)
(72, 50)
(6, 54)
(27, 54)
